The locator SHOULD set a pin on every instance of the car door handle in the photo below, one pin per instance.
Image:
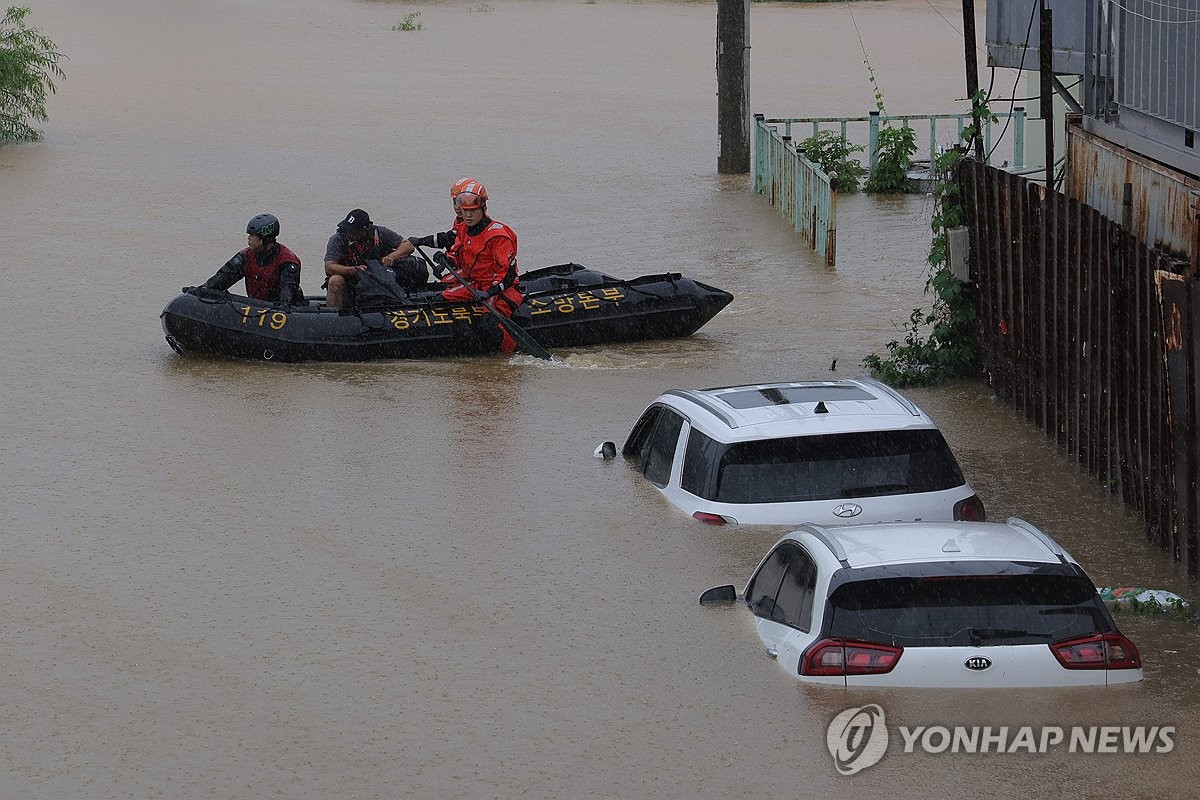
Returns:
(772, 651)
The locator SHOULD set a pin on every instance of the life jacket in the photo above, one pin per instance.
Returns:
(356, 252)
(262, 279)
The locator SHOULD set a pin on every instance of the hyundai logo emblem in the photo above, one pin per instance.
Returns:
(977, 663)
(846, 510)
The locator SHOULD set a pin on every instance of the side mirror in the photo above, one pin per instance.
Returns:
(718, 594)
(606, 451)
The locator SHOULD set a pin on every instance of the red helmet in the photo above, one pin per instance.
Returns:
(461, 185)
(469, 199)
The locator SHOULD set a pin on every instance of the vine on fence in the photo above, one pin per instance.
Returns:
(894, 149)
(832, 153)
(943, 342)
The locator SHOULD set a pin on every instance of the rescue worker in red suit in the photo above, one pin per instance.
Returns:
(484, 252)
(270, 269)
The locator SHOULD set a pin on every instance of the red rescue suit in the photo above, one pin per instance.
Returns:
(488, 261)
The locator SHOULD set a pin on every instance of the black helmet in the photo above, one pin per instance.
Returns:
(264, 225)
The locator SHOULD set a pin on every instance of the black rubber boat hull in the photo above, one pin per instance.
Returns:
(565, 306)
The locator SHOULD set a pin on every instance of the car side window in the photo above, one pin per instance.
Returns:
(795, 600)
(656, 463)
(783, 588)
(699, 458)
(764, 586)
(639, 438)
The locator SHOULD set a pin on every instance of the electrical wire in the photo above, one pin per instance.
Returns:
(1035, 97)
(1160, 21)
(1020, 68)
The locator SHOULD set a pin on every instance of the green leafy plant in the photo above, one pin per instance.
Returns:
(1177, 610)
(894, 152)
(409, 23)
(894, 148)
(943, 342)
(28, 67)
(832, 154)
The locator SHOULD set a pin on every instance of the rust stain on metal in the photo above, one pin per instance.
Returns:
(1164, 200)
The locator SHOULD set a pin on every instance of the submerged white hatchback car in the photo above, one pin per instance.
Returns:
(828, 452)
(939, 604)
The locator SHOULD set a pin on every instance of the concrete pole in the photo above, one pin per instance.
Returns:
(972, 65)
(733, 86)
(1046, 65)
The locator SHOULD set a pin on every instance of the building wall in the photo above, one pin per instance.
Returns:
(1166, 203)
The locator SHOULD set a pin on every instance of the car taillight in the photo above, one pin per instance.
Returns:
(1099, 651)
(709, 519)
(970, 510)
(845, 657)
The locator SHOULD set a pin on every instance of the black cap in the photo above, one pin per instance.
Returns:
(356, 220)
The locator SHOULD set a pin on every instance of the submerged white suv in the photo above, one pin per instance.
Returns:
(828, 452)
(939, 604)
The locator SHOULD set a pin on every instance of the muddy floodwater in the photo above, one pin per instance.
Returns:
(412, 579)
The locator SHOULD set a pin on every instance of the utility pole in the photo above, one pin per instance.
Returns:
(1046, 66)
(733, 82)
(968, 9)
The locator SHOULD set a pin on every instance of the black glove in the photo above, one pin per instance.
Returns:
(439, 264)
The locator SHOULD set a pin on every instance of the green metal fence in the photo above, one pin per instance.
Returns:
(1009, 126)
(804, 194)
(801, 191)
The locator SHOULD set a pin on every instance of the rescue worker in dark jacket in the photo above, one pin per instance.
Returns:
(358, 241)
(270, 269)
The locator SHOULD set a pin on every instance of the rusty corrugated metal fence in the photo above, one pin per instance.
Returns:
(1094, 337)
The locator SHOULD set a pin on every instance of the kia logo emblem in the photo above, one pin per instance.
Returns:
(977, 663)
(846, 510)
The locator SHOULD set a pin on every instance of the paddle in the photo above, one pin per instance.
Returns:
(524, 340)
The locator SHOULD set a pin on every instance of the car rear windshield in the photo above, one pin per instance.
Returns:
(968, 610)
(844, 465)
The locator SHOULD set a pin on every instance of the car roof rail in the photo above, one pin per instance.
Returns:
(827, 539)
(706, 403)
(1054, 547)
(907, 404)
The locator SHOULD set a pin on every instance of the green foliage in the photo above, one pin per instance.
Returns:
(943, 342)
(409, 23)
(1177, 610)
(28, 65)
(832, 153)
(895, 148)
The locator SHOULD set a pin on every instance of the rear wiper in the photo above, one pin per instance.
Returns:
(980, 635)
